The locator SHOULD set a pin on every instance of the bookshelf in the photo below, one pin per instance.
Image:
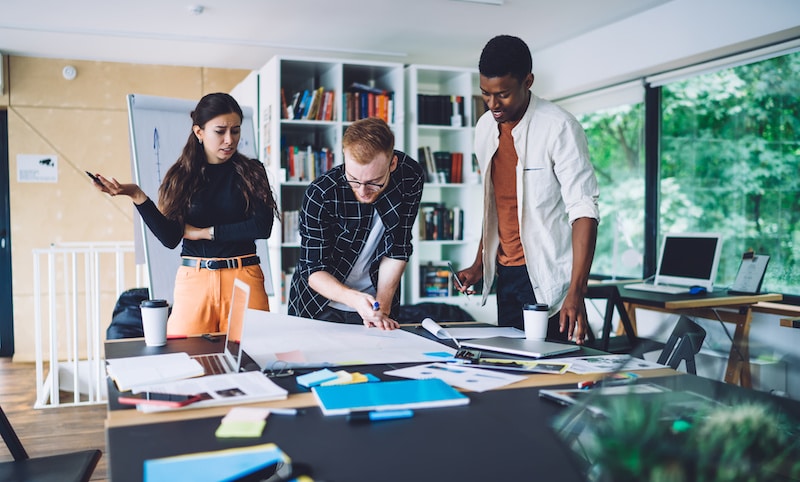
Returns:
(298, 143)
(441, 105)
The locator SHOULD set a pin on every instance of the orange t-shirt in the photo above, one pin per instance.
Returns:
(504, 178)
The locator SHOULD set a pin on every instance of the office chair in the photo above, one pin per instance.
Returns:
(69, 467)
(683, 344)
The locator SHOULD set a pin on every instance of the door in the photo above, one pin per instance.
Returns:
(6, 309)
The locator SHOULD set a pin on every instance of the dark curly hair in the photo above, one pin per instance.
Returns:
(503, 55)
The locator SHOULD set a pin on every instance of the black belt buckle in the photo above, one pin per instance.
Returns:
(216, 264)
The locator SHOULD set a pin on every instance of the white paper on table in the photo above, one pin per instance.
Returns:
(607, 364)
(475, 379)
(224, 389)
(470, 332)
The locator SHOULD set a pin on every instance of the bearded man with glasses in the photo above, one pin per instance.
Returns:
(356, 226)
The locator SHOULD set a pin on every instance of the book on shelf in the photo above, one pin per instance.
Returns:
(291, 107)
(435, 280)
(437, 222)
(302, 105)
(441, 110)
(284, 106)
(306, 163)
(313, 104)
(425, 159)
(291, 226)
(362, 100)
(444, 165)
(326, 110)
(478, 108)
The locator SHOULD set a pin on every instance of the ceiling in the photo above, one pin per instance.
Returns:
(244, 34)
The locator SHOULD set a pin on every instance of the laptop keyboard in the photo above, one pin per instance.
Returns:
(670, 290)
(213, 364)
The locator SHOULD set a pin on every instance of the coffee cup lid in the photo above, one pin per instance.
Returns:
(536, 307)
(154, 303)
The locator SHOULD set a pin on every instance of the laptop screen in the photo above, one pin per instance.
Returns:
(689, 259)
(239, 301)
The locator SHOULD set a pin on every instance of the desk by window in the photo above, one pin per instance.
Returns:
(737, 309)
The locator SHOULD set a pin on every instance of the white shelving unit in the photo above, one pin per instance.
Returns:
(457, 136)
(297, 74)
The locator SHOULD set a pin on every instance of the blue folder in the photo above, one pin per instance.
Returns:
(394, 395)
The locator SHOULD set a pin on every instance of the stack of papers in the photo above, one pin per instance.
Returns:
(475, 379)
(132, 372)
(225, 389)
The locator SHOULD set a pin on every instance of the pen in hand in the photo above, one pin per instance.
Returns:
(459, 285)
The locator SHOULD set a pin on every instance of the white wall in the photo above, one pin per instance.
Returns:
(676, 34)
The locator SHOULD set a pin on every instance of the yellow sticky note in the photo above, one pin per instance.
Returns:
(241, 429)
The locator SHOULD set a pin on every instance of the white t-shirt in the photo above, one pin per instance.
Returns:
(358, 279)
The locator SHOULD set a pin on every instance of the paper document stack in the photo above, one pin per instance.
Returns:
(129, 373)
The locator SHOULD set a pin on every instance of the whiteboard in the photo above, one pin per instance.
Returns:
(159, 128)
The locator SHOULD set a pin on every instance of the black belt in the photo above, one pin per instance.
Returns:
(223, 263)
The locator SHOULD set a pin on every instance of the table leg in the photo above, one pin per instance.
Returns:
(738, 371)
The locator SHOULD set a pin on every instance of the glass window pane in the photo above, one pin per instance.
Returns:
(730, 143)
(617, 153)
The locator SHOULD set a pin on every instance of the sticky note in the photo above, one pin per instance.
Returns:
(315, 378)
(240, 429)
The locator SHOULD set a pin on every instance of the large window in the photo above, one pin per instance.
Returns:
(617, 153)
(729, 162)
(730, 144)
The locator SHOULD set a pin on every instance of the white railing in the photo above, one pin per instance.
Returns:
(76, 286)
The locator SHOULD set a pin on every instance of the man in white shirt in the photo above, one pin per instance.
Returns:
(540, 197)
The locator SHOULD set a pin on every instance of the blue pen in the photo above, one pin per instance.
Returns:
(376, 306)
(378, 415)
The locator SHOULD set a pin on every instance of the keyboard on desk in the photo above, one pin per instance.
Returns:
(652, 288)
(213, 364)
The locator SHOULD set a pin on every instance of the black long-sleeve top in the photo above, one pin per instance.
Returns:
(218, 203)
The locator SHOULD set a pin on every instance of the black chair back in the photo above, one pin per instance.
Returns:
(683, 344)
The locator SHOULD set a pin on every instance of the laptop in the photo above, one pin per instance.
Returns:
(686, 260)
(230, 360)
(520, 346)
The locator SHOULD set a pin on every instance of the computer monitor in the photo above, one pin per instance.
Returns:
(689, 259)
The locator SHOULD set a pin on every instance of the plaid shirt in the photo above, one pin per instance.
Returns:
(334, 226)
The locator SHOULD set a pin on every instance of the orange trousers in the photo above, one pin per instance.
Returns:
(202, 298)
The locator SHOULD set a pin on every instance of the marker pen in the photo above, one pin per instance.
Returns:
(284, 411)
(378, 415)
(376, 306)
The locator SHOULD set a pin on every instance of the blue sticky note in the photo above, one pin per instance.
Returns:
(440, 354)
(315, 378)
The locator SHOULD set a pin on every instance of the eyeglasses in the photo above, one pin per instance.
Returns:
(369, 186)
